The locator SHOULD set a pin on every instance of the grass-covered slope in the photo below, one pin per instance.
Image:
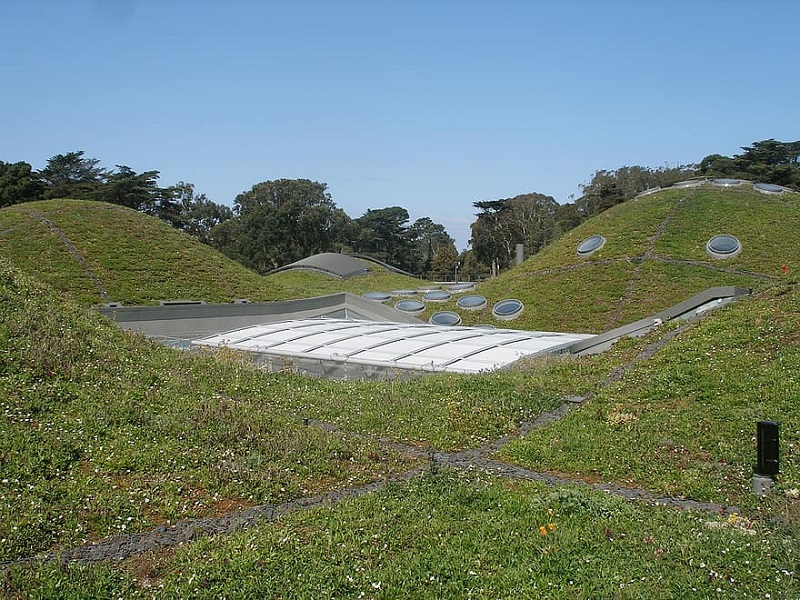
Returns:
(684, 422)
(441, 536)
(654, 257)
(98, 252)
(104, 431)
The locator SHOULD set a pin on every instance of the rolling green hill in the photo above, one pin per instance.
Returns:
(653, 258)
(505, 486)
(98, 252)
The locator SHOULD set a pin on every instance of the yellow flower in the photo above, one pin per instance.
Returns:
(551, 526)
(543, 530)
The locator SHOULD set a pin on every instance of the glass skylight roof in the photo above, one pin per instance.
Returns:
(461, 287)
(415, 347)
(590, 245)
(768, 188)
(445, 318)
(723, 246)
(410, 306)
(379, 296)
(724, 182)
(688, 183)
(437, 295)
(506, 310)
(471, 302)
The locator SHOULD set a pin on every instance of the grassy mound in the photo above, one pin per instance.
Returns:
(654, 257)
(98, 252)
(683, 422)
(306, 284)
(105, 432)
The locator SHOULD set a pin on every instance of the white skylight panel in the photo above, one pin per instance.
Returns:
(421, 347)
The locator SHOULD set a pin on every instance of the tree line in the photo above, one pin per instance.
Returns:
(280, 221)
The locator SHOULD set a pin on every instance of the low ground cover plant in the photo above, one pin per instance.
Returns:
(445, 535)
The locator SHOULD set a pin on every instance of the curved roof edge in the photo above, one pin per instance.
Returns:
(382, 264)
(688, 309)
(337, 265)
(191, 321)
(341, 266)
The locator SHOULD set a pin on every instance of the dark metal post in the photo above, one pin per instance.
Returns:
(768, 447)
(767, 464)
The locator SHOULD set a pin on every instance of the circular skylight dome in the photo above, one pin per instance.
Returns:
(461, 287)
(688, 184)
(410, 306)
(723, 246)
(377, 296)
(437, 295)
(726, 182)
(445, 317)
(590, 245)
(505, 310)
(768, 188)
(404, 292)
(471, 302)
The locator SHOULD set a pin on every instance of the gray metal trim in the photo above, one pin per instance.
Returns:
(188, 321)
(689, 308)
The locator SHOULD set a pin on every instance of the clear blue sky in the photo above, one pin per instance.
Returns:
(429, 105)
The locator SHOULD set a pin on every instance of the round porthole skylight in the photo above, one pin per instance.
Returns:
(377, 296)
(446, 318)
(688, 184)
(471, 302)
(505, 310)
(723, 246)
(768, 188)
(723, 182)
(461, 287)
(410, 306)
(437, 295)
(590, 245)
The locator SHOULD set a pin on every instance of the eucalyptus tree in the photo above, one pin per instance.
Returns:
(609, 188)
(383, 234)
(198, 214)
